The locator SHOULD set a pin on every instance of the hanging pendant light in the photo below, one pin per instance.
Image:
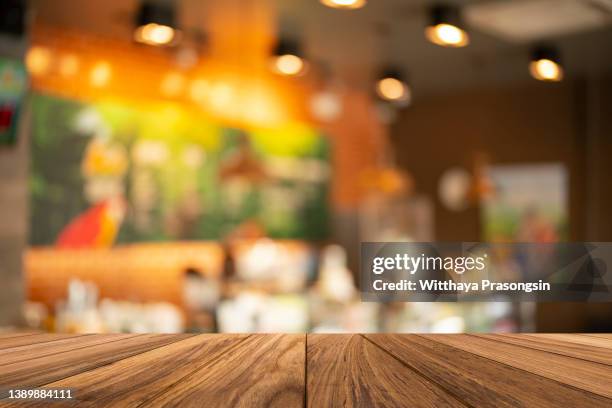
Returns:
(546, 65)
(392, 87)
(445, 27)
(344, 4)
(287, 58)
(156, 24)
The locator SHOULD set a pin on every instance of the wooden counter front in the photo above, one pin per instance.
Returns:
(317, 370)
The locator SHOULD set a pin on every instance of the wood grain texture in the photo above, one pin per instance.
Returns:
(319, 370)
(477, 380)
(264, 370)
(602, 355)
(573, 338)
(6, 335)
(150, 373)
(11, 342)
(585, 375)
(38, 350)
(350, 371)
(600, 335)
(51, 367)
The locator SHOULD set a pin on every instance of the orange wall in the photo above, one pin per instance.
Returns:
(236, 91)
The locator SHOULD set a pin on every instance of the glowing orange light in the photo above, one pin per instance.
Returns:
(221, 96)
(546, 70)
(38, 60)
(155, 34)
(289, 64)
(344, 4)
(447, 35)
(100, 74)
(392, 89)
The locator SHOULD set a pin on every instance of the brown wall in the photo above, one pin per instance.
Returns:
(569, 122)
(533, 123)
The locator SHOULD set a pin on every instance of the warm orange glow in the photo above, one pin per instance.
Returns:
(546, 70)
(289, 65)
(100, 74)
(38, 60)
(222, 96)
(447, 35)
(155, 34)
(344, 4)
(115, 69)
(261, 111)
(173, 84)
(68, 65)
(392, 89)
(198, 91)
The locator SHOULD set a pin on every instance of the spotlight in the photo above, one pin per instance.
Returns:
(287, 58)
(392, 87)
(155, 24)
(344, 4)
(445, 27)
(545, 65)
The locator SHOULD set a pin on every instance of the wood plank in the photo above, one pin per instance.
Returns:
(586, 375)
(600, 335)
(595, 354)
(70, 343)
(132, 381)
(264, 370)
(480, 381)
(7, 335)
(574, 338)
(18, 341)
(349, 371)
(40, 371)
(318, 370)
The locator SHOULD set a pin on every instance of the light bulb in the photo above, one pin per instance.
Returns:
(392, 89)
(447, 35)
(289, 64)
(546, 70)
(155, 34)
(344, 4)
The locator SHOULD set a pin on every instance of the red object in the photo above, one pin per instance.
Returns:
(84, 230)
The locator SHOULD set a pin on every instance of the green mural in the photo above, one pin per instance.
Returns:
(161, 172)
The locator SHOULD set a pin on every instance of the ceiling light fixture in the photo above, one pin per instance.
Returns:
(287, 58)
(546, 65)
(344, 4)
(155, 24)
(445, 28)
(393, 88)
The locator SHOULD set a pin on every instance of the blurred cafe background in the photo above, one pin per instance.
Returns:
(212, 166)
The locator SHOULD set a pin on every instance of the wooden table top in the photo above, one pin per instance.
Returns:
(318, 370)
